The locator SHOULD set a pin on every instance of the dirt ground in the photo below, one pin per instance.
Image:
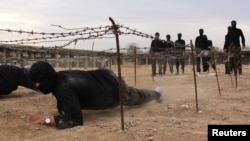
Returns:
(175, 119)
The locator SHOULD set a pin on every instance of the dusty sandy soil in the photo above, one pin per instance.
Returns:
(175, 119)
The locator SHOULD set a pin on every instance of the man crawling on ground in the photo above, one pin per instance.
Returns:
(76, 90)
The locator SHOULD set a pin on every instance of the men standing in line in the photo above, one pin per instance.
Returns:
(168, 46)
(201, 45)
(155, 49)
(180, 48)
(234, 36)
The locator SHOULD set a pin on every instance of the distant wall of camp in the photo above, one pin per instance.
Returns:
(68, 58)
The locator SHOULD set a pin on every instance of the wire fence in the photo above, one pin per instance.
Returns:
(70, 36)
(73, 36)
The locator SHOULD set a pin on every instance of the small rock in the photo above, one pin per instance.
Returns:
(151, 138)
(239, 89)
(121, 131)
(23, 116)
(200, 111)
(184, 106)
(154, 130)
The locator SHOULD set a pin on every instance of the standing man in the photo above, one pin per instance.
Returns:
(168, 46)
(226, 49)
(234, 35)
(201, 45)
(180, 47)
(155, 49)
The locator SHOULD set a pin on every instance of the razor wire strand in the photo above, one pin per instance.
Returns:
(91, 33)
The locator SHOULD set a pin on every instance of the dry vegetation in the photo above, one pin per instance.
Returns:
(175, 119)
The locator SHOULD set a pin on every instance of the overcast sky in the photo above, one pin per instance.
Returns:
(148, 16)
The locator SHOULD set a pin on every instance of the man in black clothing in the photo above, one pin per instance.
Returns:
(201, 45)
(169, 51)
(227, 49)
(155, 49)
(11, 77)
(234, 36)
(76, 90)
(180, 47)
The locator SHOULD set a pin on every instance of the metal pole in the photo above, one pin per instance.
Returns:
(152, 61)
(216, 74)
(228, 66)
(92, 56)
(195, 84)
(235, 65)
(115, 28)
(135, 64)
(229, 63)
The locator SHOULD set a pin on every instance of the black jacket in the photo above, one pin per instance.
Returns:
(156, 46)
(234, 35)
(76, 90)
(180, 44)
(201, 42)
(11, 77)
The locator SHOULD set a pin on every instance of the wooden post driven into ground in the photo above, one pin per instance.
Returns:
(235, 57)
(135, 64)
(92, 56)
(195, 84)
(115, 28)
(216, 74)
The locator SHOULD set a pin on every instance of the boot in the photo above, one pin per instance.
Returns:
(177, 72)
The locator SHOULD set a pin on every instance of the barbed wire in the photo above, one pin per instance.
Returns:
(86, 33)
(77, 32)
(54, 37)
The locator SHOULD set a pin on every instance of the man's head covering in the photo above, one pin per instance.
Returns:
(179, 35)
(45, 74)
(233, 22)
(201, 31)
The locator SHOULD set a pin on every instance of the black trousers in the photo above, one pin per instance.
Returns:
(204, 63)
(178, 62)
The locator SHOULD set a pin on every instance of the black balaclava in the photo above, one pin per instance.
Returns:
(233, 24)
(201, 31)
(168, 37)
(157, 35)
(179, 35)
(44, 73)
